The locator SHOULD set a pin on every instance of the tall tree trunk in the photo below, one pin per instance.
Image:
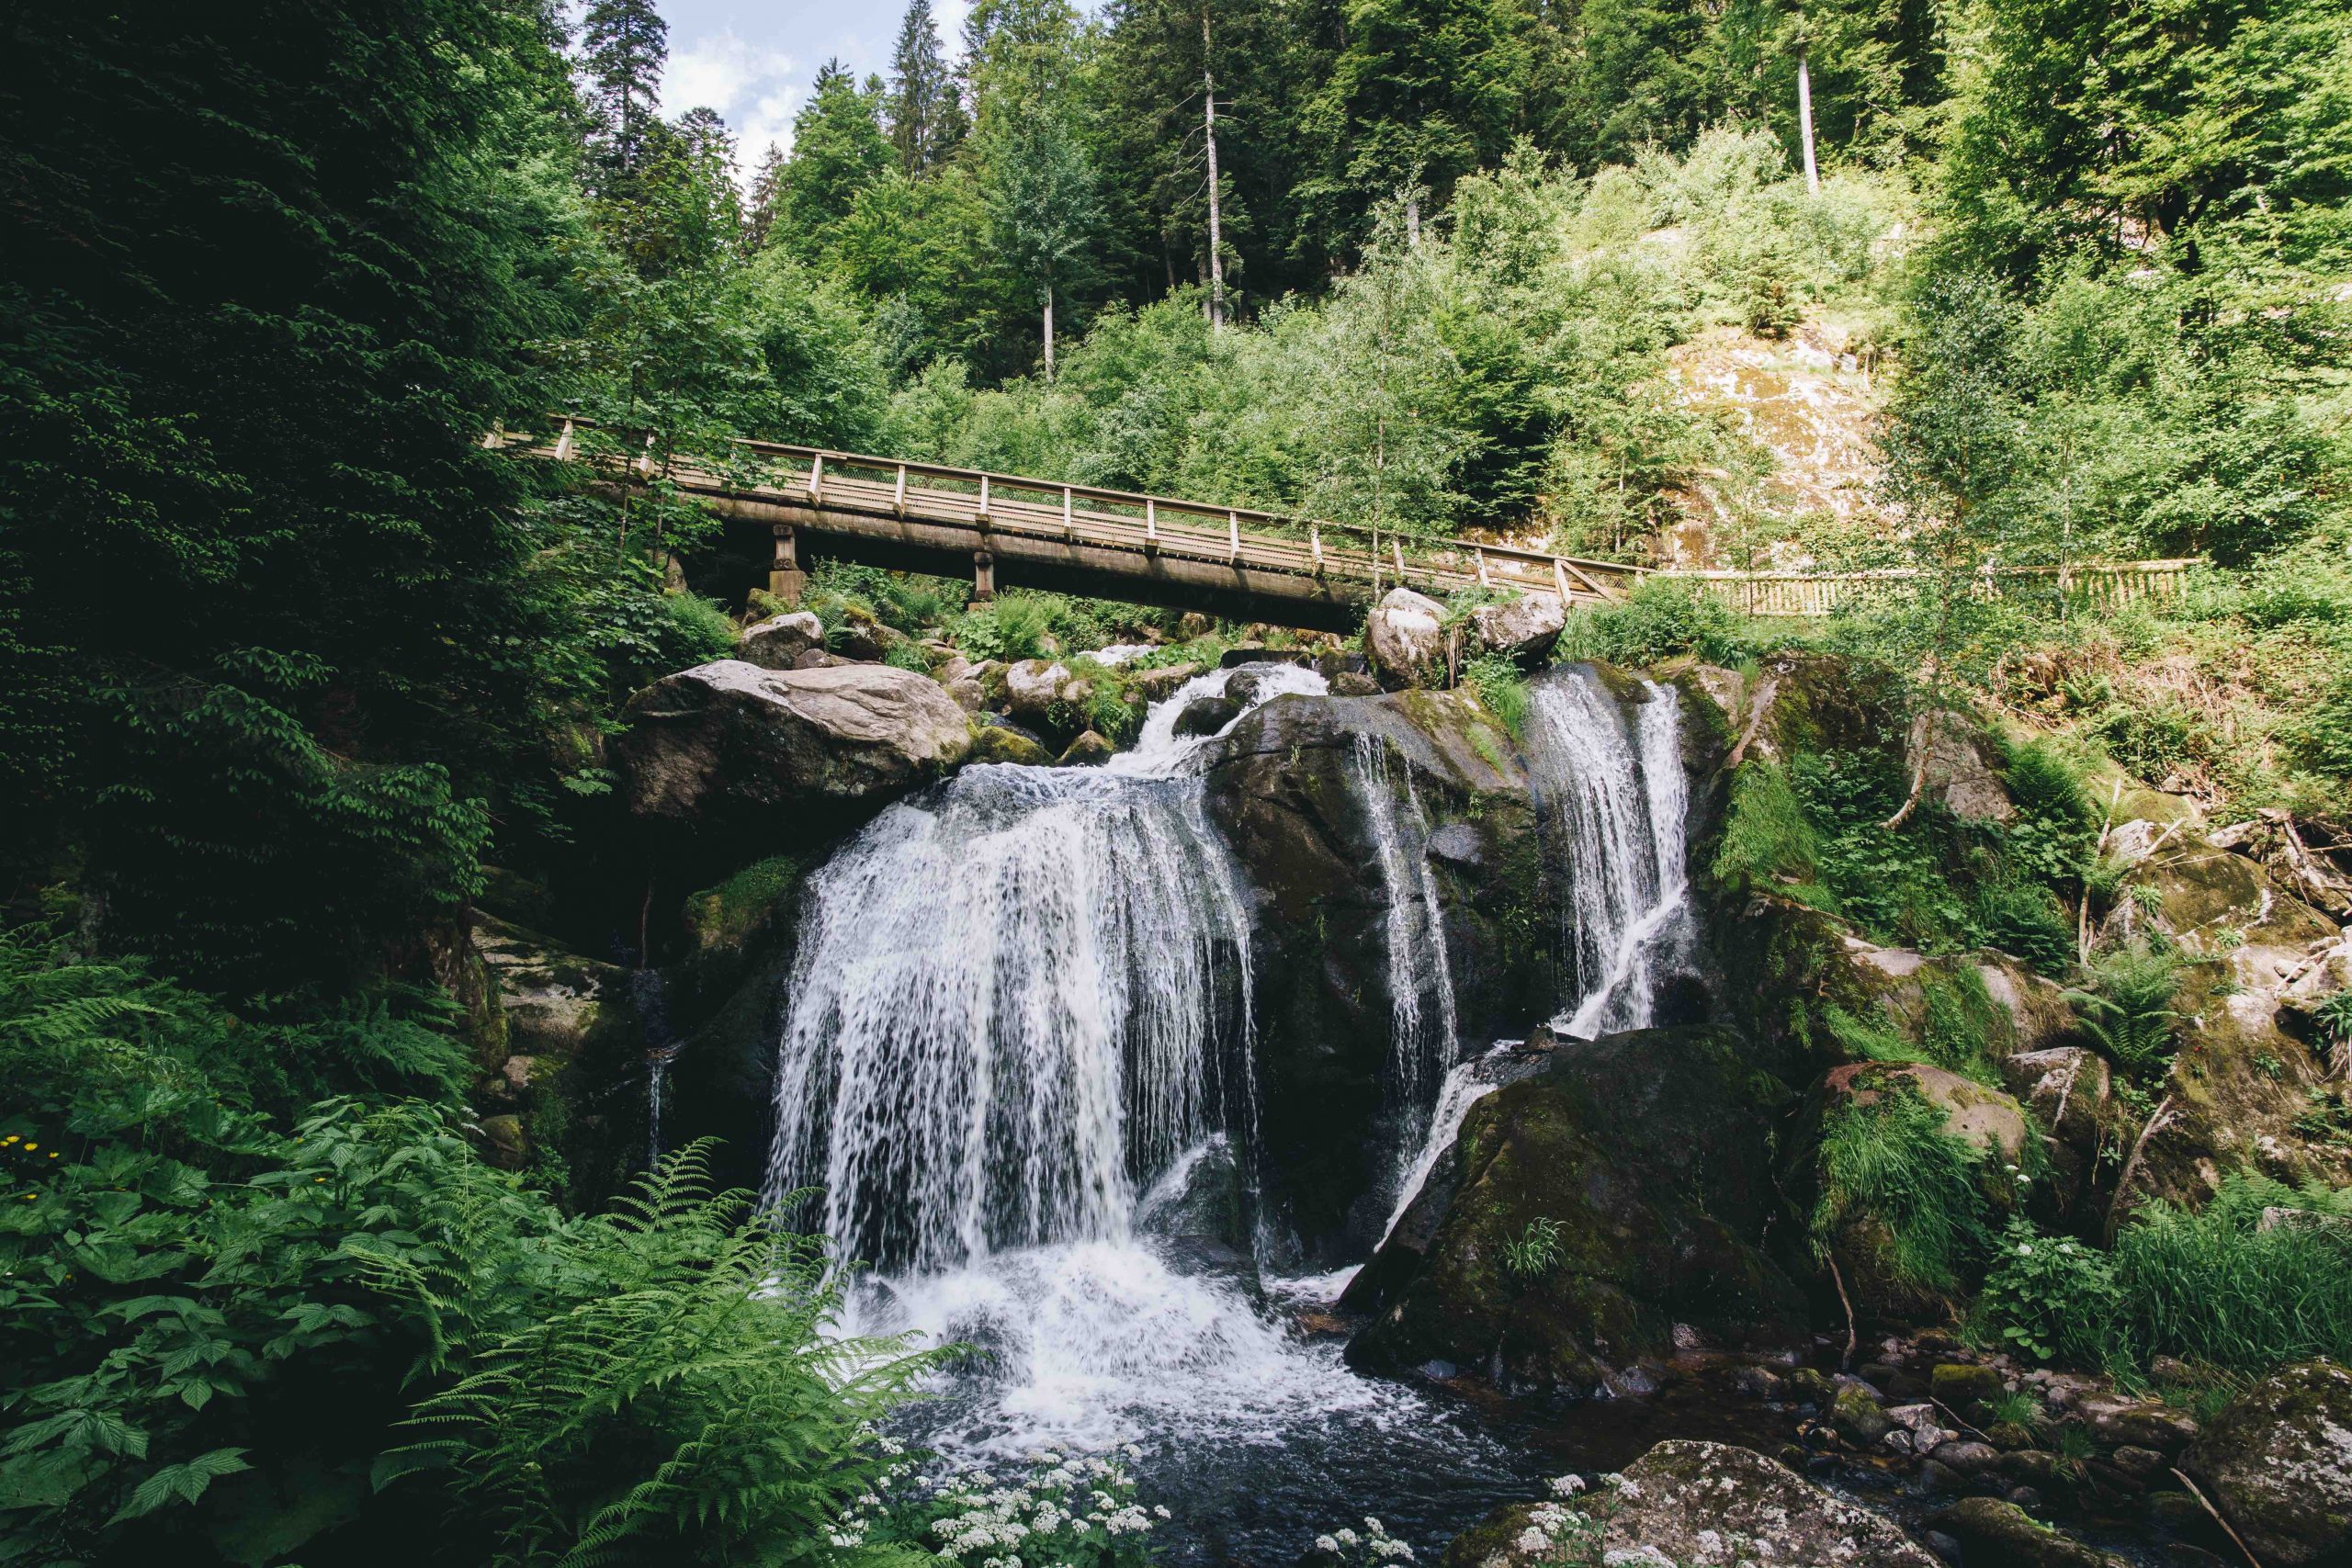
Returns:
(1049, 331)
(1413, 219)
(1217, 225)
(1805, 124)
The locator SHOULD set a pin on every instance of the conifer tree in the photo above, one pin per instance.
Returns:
(926, 114)
(624, 45)
(837, 149)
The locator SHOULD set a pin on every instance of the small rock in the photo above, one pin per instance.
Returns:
(2026, 1497)
(1405, 635)
(1089, 751)
(1810, 1385)
(1965, 1456)
(1207, 716)
(1997, 1534)
(1941, 1479)
(1758, 1383)
(516, 1070)
(1943, 1546)
(2172, 1369)
(817, 658)
(2142, 1423)
(1857, 1416)
(1877, 1374)
(2138, 1463)
(1348, 683)
(1964, 1388)
(1003, 743)
(774, 643)
(509, 1147)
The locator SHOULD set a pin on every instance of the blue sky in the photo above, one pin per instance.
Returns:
(752, 60)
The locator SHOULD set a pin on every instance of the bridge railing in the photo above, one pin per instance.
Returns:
(2105, 584)
(1242, 534)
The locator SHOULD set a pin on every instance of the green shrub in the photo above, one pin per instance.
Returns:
(1010, 626)
(1889, 1163)
(2128, 1010)
(2049, 1299)
(2212, 1286)
(1768, 842)
(1501, 688)
(1535, 1251)
(1660, 619)
(702, 630)
(2321, 740)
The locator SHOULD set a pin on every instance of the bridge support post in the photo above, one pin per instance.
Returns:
(983, 575)
(785, 580)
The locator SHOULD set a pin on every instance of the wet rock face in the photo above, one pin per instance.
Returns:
(2279, 1462)
(1648, 1154)
(1285, 789)
(726, 744)
(1700, 1505)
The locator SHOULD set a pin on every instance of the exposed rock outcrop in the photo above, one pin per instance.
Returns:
(1649, 1155)
(724, 745)
(776, 642)
(1526, 629)
(2279, 1462)
(1702, 1504)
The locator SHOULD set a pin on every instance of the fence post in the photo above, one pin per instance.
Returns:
(898, 500)
(1233, 535)
(1067, 534)
(984, 496)
(1315, 544)
(817, 480)
(563, 443)
(1150, 526)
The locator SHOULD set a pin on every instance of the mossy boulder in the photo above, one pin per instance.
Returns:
(1647, 1155)
(1290, 788)
(1997, 1534)
(2279, 1463)
(1702, 1505)
(1003, 743)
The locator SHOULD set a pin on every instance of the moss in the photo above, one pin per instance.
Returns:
(728, 916)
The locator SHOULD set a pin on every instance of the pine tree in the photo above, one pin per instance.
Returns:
(837, 149)
(767, 190)
(926, 114)
(624, 45)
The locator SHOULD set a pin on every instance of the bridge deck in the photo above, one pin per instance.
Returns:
(1239, 561)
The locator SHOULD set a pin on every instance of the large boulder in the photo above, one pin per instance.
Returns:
(1303, 790)
(1033, 687)
(1699, 1505)
(1647, 1155)
(1405, 635)
(2279, 1462)
(726, 744)
(1526, 629)
(776, 642)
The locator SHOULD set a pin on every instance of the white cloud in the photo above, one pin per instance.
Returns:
(752, 87)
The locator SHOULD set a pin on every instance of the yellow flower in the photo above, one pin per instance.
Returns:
(31, 1147)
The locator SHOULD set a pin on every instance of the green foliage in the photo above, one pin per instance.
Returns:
(1769, 841)
(2215, 1287)
(1535, 1251)
(1010, 626)
(220, 1297)
(1887, 1164)
(1660, 619)
(1501, 688)
(679, 1395)
(2127, 1010)
(2049, 1299)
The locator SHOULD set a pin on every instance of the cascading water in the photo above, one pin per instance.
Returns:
(1424, 1030)
(1013, 1075)
(1618, 800)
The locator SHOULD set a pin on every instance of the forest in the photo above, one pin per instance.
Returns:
(311, 697)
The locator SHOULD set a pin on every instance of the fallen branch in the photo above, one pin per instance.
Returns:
(1756, 709)
(1852, 1338)
(2206, 1504)
(2162, 1118)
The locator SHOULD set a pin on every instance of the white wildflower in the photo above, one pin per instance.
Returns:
(1325, 1543)
(1534, 1541)
(1347, 1537)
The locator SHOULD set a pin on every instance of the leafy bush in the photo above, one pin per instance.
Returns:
(1010, 626)
(1890, 1163)
(1768, 842)
(2050, 1298)
(215, 1297)
(1501, 688)
(2321, 740)
(1659, 619)
(2128, 1010)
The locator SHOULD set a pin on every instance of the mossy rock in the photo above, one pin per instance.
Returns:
(1285, 790)
(1967, 1389)
(2278, 1461)
(1649, 1153)
(1002, 743)
(1995, 1534)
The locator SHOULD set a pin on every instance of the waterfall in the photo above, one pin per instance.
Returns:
(1617, 800)
(1017, 996)
(1616, 792)
(1424, 1032)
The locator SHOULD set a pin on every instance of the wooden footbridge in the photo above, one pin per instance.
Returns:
(1235, 562)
